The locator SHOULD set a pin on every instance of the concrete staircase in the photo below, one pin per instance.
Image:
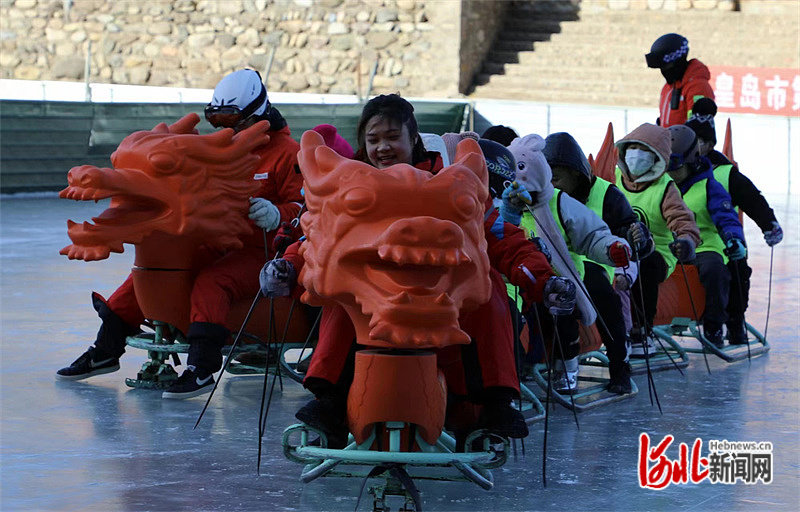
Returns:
(551, 51)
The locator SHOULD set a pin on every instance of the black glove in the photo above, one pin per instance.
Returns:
(683, 249)
(639, 239)
(559, 296)
(277, 278)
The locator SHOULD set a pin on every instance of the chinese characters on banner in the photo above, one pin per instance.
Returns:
(766, 91)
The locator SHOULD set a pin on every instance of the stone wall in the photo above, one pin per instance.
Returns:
(657, 5)
(321, 46)
(480, 21)
(788, 7)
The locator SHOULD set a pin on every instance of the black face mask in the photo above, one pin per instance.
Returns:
(674, 72)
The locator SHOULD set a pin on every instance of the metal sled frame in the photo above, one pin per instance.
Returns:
(288, 359)
(669, 355)
(157, 373)
(591, 391)
(687, 328)
(166, 340)
(473, 467)
(530, 405)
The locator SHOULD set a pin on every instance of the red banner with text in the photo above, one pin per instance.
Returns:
(766, 91)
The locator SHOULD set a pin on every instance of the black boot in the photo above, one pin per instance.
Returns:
(713, 333)
(737, 333)
(620, 381)
(327, 412)
(499, 416)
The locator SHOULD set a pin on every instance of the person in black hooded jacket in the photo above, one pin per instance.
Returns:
(573, 175)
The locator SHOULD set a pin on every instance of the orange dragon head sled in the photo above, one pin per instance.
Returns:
(403, 251)
(181, 198)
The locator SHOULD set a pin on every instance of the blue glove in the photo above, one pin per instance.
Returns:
(277, 278)
(559, 296)
(264, 213)
(735, 249)
(514, 200)
(774, 235)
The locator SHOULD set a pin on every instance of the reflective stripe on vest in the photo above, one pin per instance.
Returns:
(696, 198)
(647, 205)
(722, 173)
(529, 225)
(595, 202)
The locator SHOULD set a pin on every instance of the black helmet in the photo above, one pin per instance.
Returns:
(500, 163)
(667, 49)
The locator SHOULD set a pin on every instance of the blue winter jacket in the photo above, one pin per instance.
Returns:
(719, 201)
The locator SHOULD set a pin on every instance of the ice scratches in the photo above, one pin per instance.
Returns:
(563, 478)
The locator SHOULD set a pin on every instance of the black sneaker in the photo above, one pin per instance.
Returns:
(189, 384)
(620, 378)
(91, 363)
(328, 416)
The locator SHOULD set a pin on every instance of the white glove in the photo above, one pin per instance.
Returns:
(264, 213)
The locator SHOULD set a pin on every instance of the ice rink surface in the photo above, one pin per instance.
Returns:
(97, 445)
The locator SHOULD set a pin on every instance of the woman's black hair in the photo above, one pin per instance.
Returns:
(393, 108)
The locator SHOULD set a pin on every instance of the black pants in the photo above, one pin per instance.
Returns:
(652, 272)
(568, 333)
(609, 309)
(740, 289)
(716, 279)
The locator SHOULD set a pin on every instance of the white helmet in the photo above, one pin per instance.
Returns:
(237, 96)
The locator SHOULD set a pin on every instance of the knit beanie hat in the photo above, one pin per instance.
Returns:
(702, 120)
(334, 141)
(451, 140)
(500, 163)
(499, 133)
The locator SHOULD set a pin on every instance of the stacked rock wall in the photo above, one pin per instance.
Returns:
(321, 46)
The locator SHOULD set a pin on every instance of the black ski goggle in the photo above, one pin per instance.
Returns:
(230, 116)
(225, 116)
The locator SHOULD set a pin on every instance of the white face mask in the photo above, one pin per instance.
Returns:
(639, 161)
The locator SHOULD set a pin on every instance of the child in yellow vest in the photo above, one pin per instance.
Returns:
(641, 176)
(745, 196)
(720, 230)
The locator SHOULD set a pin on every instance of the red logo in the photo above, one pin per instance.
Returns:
(656, 471)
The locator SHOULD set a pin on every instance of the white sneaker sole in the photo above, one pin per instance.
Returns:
(100, 371)
(188, 394)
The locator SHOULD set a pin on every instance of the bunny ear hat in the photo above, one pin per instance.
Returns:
(534, 173)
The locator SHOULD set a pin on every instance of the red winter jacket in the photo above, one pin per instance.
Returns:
(280, 181)
(693, 86)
